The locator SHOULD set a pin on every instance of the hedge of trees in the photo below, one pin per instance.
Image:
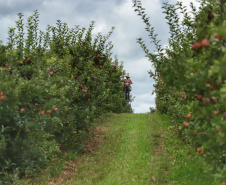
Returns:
(190, 75)
(54, 84)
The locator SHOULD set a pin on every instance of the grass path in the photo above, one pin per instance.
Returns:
(124, 158)
(138, 149)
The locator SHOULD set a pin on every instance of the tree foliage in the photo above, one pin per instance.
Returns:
(190, 76)
(54, 84)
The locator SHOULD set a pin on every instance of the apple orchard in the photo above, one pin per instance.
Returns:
(56, 84)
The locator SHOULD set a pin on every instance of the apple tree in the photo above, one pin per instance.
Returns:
(190, 77)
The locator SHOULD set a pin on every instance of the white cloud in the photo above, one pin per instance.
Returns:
(7, 21)
(145, 102)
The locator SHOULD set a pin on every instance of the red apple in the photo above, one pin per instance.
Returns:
(98, 56)
(51, 73)
(205, 43)
(88, 129)
(101, 67)
(182, 95)
(201, 153)
(205, 101)
(22, 110)
(186, 124)
(42, 112)
(115, 66)
(55, 109)
(2, 98)
(218, 129)
(1, 93)
(199, 97)
(84, 91)
(216, 36)
(189, 116)
(216, 112)
(80, 85)
(196, 45)
(7, 65)
(48, 112)
(21, 62)
(89, 100)
(198, 149)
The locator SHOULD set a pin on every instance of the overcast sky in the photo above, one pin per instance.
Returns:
(106, 13)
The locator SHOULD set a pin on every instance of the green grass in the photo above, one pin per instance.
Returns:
(137, 149)
(183, 164)
(124, 158)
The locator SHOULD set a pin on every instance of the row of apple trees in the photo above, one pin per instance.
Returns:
(54, 84)
(190, 75)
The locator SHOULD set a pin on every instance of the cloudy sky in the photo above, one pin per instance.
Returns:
(106, 13)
